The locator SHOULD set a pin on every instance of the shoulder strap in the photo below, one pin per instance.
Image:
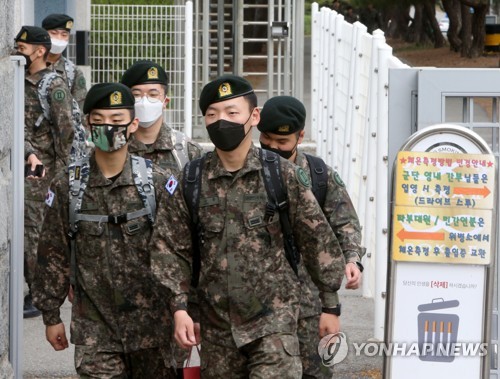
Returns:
(78, 178)
(43, 97)
(319, 177)
(191, 187)
(180, 152)
(142, 172)
(69, 67)
(277, 194)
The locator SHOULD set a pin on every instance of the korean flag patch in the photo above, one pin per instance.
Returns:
(171, 184)
(49, 198)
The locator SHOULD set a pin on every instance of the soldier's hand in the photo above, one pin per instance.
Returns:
(353, 276)
(34, 161)
(328, 324)
(184, 330)
(56, 335)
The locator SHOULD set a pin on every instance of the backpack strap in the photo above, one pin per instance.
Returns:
(191, 187)
(69, 67)
(278, 200)
(319, 177)
(43, 97)
(180, 152)
(142, 172)
(78, 172)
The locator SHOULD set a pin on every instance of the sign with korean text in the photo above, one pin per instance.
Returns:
(443, 208)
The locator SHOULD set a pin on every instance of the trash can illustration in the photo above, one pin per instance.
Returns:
(437, 331)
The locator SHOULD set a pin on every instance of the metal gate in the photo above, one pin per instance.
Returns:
(468, 97)
(261, 40)
(123, 34)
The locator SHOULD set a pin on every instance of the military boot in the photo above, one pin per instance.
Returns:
(29, 310)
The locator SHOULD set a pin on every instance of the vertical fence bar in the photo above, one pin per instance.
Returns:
(188, 64)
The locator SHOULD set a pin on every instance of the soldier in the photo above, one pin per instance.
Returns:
(59, 28)
(47, 143)
(104, 207)
(281, 125)
(248, 289)
(154, 139)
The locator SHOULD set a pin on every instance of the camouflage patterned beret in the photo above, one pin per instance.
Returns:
(57, 21)
(144, 72)
(282, 115)
(34, 36)
(223, 88)
(108, 96)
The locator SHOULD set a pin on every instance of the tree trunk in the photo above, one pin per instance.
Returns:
(415, 31)
(478, 30)
(430, 14)
(452, 8)
(400, 17)
(466, 31)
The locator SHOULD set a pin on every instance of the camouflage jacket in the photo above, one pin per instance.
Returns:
(344, 222)
(160, 152)
(247, 288)
(339, 212)
(51, 141)
(118, 304)
(78, 86)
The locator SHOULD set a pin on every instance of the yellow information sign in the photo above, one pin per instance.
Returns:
(443, 208)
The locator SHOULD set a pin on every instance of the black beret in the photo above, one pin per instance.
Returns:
(108, 96)
(223, 88)
(282, 115)
(57, 21)
(34, 36)
(144, 72)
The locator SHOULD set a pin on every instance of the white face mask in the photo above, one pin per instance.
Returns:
(58, 46)
(148, 112)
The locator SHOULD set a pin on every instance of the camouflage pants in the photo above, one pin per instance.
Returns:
(308, 333)
(33, 219)
(272, 356)
(142, 364)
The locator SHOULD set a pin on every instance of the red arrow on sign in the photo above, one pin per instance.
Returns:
(406, 235)
(471, 191)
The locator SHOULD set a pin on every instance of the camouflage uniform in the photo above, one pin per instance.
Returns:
(78, 86)
(248, 293)
(119, 308)
(161, 154)
(51, 143)
(344, 222)
(161, 151)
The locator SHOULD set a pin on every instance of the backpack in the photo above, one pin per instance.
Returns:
(78, 179)
(277, 201)
(319, 178)
(79, 146)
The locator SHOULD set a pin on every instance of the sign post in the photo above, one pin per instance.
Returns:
(442, 247)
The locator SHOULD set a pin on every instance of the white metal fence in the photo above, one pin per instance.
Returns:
(122, 34)
(349, 106)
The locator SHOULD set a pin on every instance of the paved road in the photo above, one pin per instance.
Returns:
(41, 361)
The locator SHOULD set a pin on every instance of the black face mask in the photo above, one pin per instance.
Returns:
(284, 153)
(27, 57)
(227, 135)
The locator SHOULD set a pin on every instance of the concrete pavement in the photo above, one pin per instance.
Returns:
(41, 361)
